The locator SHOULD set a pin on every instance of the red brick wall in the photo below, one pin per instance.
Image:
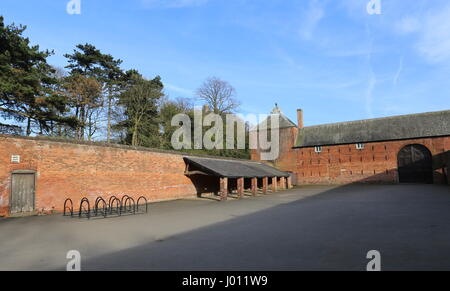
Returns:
(344, 164)
(68, 170)
(287, 157)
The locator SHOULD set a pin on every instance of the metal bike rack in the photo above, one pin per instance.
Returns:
(146, 204)
(124, 197)
(69, 208)
(88, 212)
(132, 205)
(110, 200)
(114, 207)
(118, 206)
(104, 208)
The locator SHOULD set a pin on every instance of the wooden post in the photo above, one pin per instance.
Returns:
(265, 185)
(283, 183)
(289, 182)
(240, 187)
(254, 186)
(274, 184)
(223, 189)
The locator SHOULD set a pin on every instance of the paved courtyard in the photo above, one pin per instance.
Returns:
(308, 228)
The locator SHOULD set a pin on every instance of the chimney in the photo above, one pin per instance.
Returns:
(300, 118)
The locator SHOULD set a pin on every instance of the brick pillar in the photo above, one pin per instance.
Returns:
(240, 187)
(274, 184)
(254, 186)
(282, 183)
(265, 185)
(223, 189)
(289, 182)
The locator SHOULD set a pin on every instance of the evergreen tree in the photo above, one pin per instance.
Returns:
(89, 62)
(139, 101)
(168, 109)
(27, 83)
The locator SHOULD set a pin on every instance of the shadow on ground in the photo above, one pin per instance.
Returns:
(334, 230)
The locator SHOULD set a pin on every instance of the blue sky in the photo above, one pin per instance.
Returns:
(330, 58)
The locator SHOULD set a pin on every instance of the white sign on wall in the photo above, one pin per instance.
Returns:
(15, 159)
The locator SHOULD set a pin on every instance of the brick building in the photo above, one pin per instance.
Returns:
(38, 174)
(400, 149)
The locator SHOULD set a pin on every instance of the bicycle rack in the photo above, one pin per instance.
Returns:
(132, 205)
(124, 197)
(88, 212)
(70, 208)
(104, 208)
(114, 207)
(110, 200)
(146, 204)
(118, 206)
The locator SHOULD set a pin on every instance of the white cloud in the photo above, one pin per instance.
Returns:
(352, 52)
(369, 93)
(434, 43)
(312, 18)
(172, 3)
(372, 81)
(399, 71)
(179, 90)
(286, 58)
(407, 25)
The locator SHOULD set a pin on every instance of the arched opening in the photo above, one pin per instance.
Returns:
(415, 164)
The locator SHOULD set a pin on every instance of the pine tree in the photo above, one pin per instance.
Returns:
(89, 62)
(27, 83)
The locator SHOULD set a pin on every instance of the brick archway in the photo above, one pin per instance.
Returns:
(415, 164)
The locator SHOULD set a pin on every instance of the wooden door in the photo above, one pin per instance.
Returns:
(22, 193)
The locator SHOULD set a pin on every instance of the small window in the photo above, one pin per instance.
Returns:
(318, 149)
(359, 146)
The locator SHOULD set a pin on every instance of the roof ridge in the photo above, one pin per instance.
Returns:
(234, 169)
(281, 114)
(230, 159)
(289, 120)
(401, 127)
(378, 118)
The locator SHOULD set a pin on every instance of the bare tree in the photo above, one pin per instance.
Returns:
(218, 95)
(84, 95)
